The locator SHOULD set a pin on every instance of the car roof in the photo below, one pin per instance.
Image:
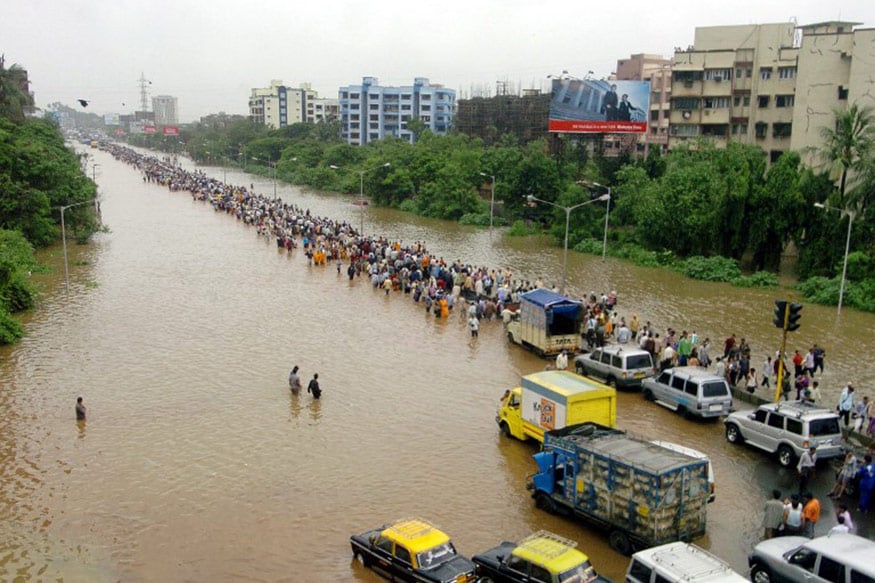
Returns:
(619, 348)
(689, 563)
(693, 372)
(415, 534)
(799, 408)
(855, 551)
(551, 551)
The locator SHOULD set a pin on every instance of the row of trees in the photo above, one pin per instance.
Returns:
(698, 200)
(38, 175)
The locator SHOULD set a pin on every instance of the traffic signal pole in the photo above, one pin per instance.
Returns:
(787, 317)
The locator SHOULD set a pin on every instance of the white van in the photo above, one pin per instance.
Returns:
(679, 562)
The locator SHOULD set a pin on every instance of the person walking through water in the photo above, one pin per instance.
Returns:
(313, 387)
(80, 410)
(294, 381)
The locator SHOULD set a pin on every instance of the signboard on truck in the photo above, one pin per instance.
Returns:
(599, 106)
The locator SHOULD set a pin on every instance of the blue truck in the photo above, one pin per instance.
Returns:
(639, 492)
(547, 323)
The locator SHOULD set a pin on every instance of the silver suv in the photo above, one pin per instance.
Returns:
(787, 428)
(617, 365)
(837, 558)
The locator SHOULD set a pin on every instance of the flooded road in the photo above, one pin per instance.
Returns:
(196, 464)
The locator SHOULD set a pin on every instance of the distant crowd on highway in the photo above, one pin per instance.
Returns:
(393, 266)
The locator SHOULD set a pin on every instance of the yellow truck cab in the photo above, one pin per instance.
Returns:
(554, 399)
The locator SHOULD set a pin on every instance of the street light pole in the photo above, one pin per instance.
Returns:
(491, 198)
(607, 213)
(567, 210)
(362, 191)
(64, 239)
(851, 215)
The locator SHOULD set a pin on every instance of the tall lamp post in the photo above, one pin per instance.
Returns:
(607, 213)
(850, 214)
(567, 210)
(64, 239)
(272, 165)
(491, 198)
(362, 191)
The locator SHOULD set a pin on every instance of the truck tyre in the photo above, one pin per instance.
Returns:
(760, 574)
(620, 542)
(611, 382)
(648, 395)
(785, 456)
(580, 370)
(733, 435)
(360, 557)
(544, 502)
(505, 429)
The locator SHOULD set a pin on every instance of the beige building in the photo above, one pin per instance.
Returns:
(278, 106)
(657, 70)
(773, 85)
(165, 110)
(836, 69)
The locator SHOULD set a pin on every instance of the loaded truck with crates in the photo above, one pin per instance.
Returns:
(547, 323)
(639, 492)
(553, 399)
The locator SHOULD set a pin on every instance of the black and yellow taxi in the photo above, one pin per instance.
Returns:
(412, 550)
(542, 557)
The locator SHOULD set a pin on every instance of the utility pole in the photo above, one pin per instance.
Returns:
(144, 105)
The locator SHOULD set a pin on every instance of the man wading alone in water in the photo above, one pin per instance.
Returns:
(313, 387)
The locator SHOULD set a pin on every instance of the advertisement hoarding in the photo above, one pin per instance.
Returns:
(599, 106)
(150, 129)
(170, 130)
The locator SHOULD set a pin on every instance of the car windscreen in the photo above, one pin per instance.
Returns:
(828, 426)
(714, 389)
(435, 556)
(638, 361)
(583, 573)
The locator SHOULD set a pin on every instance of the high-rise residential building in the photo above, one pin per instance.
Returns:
(773, 85)
(656, 70)
(278, 105)
(165, 109)
(371, 111)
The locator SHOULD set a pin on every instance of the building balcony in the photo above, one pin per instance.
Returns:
(686, 89)
(715, 116)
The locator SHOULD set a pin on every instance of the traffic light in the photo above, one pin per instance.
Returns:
(793, 317)
(780, 313)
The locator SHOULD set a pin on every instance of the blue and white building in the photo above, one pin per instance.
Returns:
(370, 111)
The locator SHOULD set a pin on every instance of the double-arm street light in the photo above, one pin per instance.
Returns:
(850, 214)
(567, 210)
(271, 164)
(362, 190)
(64, 239)
(607, 213)
(491, 198)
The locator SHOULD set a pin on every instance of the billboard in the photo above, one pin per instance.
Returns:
(599, 106)
(170, 130)
(150, 129)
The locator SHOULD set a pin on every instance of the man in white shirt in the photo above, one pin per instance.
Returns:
(805, 467)
(562, 360)
(840, 528)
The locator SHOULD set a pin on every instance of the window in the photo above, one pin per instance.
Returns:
(743, 72)
(765, 73)
(782, 130)
(794, 426)
(678, 383)
(518, 564)
(805, 559)
(385, 544)
(661, 579)
(763, 101)
(831, 570)
(664, 378)
(685, 103)
(654, 115)
(353, 95)
(639, 572)
(715, 389)
(760, 415)
(828, 426)
(596, 355)
(843, 92)
(616, 361)
(739, 129)
(776, 420)
(786, 72)
(684, 129)
(784, 100)
(715, 102)
(718, 74)
(539, 573)
(857, 577)
(760, 129)
(402, 554)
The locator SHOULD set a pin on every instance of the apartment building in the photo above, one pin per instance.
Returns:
(371, 111)
(165, 109)
(278, 105)
(736, 83)
(773, 85)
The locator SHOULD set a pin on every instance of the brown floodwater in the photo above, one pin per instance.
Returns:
(196, 464)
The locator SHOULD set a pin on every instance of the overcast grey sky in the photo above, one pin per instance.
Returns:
(210, 54)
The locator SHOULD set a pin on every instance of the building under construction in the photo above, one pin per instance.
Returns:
(489, 118)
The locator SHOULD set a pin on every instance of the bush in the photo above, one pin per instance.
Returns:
(758, 279)
(10, 329)
(519, 229)
(715, 268)
(821, 290)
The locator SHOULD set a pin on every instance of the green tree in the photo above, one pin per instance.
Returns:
(778, 214)
(15, 98)
(848, 146)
